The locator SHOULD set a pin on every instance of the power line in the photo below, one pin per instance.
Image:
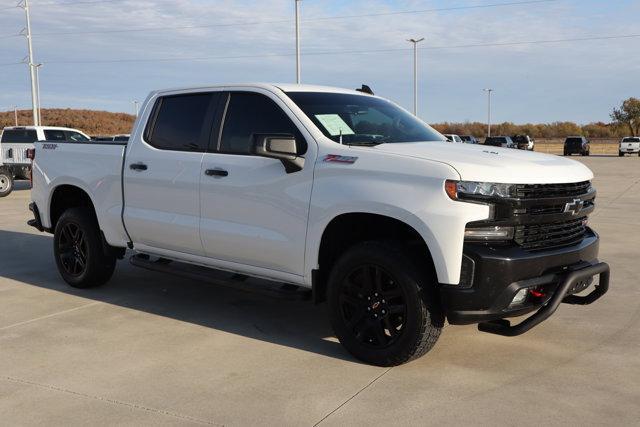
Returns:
(343, 52)
(284, 21)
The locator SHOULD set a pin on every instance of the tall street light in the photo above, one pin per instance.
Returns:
(415, 73)
(27, 33)
(298, 41)
(37, 67)
(488, 90)
(135, 108)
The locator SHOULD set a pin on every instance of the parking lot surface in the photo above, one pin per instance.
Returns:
(153, 349)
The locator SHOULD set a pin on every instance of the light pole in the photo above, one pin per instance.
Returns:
(34, 101)
(298, 41)
(15, 113)
(415, 73)
(135, 108)
(37, 67)
(488, 90)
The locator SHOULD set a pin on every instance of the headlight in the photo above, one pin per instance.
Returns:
(487, 234)
(455, 189)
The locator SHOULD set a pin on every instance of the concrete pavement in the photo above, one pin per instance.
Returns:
(152, 349)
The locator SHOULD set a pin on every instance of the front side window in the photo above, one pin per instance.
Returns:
(178, 122)
(249, 114)
(76, 136)
(54, 135)
(362, 119)
(19, 135)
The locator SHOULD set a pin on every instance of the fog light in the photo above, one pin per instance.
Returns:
(483, 234)
(521, 295)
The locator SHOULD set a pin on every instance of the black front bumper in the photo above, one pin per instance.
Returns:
(499, 272)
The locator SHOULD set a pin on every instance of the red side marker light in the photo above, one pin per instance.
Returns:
(335, 158)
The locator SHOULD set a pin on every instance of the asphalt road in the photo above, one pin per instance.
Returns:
(153, 349)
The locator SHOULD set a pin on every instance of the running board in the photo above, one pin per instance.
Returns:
(237, 281)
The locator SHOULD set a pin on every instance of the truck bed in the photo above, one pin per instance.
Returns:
(95, 167)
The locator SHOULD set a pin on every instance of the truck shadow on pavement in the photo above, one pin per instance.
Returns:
(28, 258)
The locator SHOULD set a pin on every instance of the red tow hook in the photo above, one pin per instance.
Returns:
(536, 294)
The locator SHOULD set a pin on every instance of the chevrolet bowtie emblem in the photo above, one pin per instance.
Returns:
(574, 207)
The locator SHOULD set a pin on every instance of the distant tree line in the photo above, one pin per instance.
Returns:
(541, 130)
(89, 121)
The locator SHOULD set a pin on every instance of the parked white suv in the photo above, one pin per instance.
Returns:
(332, 190)
(629, 145)
(14, 145)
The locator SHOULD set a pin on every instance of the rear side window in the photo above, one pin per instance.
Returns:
(19, 135)
(54, 135)
(252, 113)
(178, 122)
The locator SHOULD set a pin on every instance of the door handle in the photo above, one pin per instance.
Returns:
(138, 166)
(216, 172)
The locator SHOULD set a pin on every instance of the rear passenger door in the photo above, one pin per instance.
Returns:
(162, 173)
(254, 213)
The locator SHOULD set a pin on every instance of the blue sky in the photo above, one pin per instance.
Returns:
(579, 81)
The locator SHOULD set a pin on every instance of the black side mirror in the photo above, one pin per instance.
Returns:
(281, 147)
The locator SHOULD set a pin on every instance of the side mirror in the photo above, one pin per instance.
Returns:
(281, 147)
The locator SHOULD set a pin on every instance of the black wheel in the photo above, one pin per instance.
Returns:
(6, 183)
(565, 153)
(383, 307)
(620, 154)
(78, 250)
(587, 153)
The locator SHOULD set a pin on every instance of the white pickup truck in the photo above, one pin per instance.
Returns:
(333, 190)
(15, 143)
(629, 145)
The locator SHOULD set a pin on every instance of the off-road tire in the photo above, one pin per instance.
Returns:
(6, 183)
(401, 273)
(620, 154)
(82, 261)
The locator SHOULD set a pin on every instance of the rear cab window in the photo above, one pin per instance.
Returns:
(27, 136)
(178, 122)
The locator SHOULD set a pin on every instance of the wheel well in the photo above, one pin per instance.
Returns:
(65, 197)
(346, 230)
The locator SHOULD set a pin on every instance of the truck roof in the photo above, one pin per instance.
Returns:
(38, 127)
(286, 87)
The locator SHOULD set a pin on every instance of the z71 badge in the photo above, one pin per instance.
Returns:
(49, 146)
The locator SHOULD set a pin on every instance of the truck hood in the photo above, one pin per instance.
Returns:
(494, 164)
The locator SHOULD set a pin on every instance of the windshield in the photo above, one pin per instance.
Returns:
(631, 140)
(362, 119)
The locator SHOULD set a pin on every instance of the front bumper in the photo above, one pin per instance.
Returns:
(500, 272)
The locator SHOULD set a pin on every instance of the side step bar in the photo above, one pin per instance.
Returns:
(241, 282)
(503, 326)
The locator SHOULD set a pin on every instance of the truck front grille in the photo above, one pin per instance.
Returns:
(550, 235)
(542, 191)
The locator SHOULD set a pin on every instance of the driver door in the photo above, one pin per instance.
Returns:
(253, 212)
